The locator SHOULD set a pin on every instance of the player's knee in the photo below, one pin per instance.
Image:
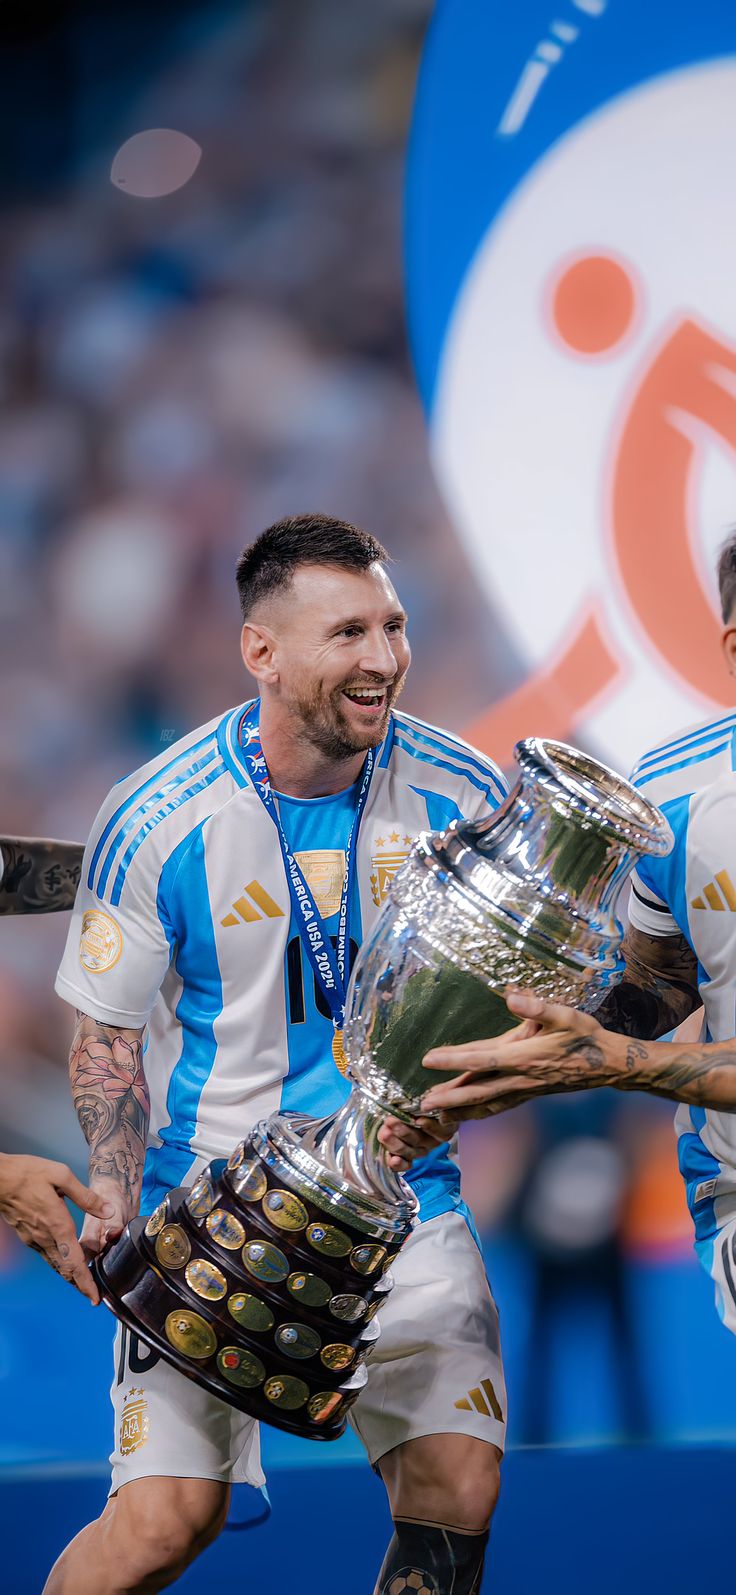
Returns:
(450, 1479)
(476, 1493)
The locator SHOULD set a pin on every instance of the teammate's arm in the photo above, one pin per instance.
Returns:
(110, 1095)
(557, 1049)
(659, 986)
(38, 876)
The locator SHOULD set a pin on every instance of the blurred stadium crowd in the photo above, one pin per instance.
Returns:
(179, 372)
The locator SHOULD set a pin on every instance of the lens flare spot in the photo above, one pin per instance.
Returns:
(155, 162)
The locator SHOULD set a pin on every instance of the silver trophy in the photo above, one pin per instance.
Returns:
(262, 1280)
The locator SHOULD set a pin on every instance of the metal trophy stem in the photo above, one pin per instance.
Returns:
(262, 1281)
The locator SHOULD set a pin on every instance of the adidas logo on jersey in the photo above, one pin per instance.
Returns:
(711, 897)
(254, 904)
(486, 1403)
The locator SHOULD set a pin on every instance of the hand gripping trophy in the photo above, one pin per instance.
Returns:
(261, 1281)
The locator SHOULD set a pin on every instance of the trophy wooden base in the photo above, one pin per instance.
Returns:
(260, 1294)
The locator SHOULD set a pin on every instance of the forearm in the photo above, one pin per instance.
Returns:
(38, 876)
(703, 1074)
(111, 1098)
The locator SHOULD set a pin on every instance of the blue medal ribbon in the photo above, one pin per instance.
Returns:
(329, 965)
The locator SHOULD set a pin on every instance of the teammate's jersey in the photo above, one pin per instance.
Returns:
(693, 891)
(183, 922)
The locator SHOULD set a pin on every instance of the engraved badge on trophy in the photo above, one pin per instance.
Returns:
(262, 1280)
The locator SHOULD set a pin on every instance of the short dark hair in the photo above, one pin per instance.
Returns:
(727, 577)
(268, 565)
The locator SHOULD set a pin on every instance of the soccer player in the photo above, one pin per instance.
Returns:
(680, 950)
(38, 876)
(184, 928)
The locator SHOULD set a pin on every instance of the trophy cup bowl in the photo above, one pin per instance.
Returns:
(262, 1280)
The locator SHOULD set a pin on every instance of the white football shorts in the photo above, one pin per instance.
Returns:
(435, 1369)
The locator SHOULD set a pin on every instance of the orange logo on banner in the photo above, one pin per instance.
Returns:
(690, 384)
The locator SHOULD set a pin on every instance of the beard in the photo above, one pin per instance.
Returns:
(326, 724)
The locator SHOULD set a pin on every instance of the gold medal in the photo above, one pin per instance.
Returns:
(156, 1221)
(326, 1238)
(338, 1052)
(190, 1334)
(324, 1405)
(265, 1261)
(172, 1246)
(241, 1367)
(236, 1157)
(205, 1279)
(226, 1230)
(366, 1259)
(249, 1181)
(348, 1308)
(201, 1198)
(285, 1210)
(251, 1312)
(286, 1391)
(297, 1340)
(309, 1288)
(337, 1356)
(372, 1310)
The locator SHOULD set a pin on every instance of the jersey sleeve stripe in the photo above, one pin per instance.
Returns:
(161, 791)
(154, 781)
(444, 764)
(651, 902)
(453, 748)
(694, 739)
(669, 769)
(154, 820)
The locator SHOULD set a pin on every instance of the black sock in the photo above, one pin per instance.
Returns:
(423, 1559)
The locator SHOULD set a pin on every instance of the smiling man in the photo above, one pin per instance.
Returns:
(186, 924)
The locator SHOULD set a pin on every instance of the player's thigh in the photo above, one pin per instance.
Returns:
(158, 1523)
(166, 1426)
(436, 1368)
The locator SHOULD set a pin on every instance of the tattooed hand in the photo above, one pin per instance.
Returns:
(556, 1049)
(32, 1191)
(111, 1098)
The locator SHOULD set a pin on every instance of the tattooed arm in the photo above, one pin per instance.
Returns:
(38, 876)
(111, 1098)
(559, 1049)
(659, 986)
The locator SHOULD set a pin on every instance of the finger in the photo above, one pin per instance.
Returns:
(398, 1164)
(89, 1201)
(555, 1014)
(489, 1097)
(409, 1146)
(79, 1274)
(524, 1003)
(477, 1056)
(92, 1242)
(471, 1089)
(435, 1058)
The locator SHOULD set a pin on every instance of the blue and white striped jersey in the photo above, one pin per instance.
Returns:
(693, 891)
(183, 922)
